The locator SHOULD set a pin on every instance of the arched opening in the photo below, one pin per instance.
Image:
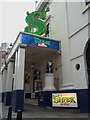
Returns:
(87, 57)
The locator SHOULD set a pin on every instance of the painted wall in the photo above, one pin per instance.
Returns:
(69, 23)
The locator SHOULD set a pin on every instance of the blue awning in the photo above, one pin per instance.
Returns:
(34, 40)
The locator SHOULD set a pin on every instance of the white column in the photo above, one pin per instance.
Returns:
(4, 80)
(19, 66)
(1, 76)
(67, 82)
(49, 82)
(0, 94)
(9, 76)
(18, 91)
(15, 74)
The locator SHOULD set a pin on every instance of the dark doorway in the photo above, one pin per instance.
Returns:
(88, 62)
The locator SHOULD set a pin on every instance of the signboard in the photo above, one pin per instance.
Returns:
(40, 42)
(64, 100)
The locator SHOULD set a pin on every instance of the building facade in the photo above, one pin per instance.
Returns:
(68, 24)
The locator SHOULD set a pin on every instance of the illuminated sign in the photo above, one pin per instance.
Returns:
(64, 100)
(35, 20)
(39, 41)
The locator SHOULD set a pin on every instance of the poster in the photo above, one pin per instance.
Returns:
(64, 100)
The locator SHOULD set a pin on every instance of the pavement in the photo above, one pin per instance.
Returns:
(33, 111)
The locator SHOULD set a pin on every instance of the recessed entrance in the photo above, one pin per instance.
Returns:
(36, 59)
(88, 61)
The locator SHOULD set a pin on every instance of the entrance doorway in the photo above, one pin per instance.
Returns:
(36, 59)
(88, 61)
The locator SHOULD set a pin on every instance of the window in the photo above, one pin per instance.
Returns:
(87, 2)
(47, 32)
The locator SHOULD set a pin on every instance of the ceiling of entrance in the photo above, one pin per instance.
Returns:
(35, 55)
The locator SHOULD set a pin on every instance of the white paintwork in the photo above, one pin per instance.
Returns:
(69, 23)
(0, 111)
(79, 76)
(61, 32)
(0, 82)
(19, 69)
(4, 80)
(15, 46)
(9, 76)
(78, 42)
(49, 82)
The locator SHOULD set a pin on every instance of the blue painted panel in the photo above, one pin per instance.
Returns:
(8, 97)
(17, 100)
(2, 95)
(83, 98)
(83, 101)
(40, 42)
(13, 102)
(42, 99)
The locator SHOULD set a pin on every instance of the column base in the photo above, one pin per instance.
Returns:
(49, 89)
(2, 96)
(8, 97)
(49, 82)
(69, 86)
(17, 100)
(45, 99)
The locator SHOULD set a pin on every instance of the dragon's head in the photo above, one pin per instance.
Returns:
(28, 13)
(47, 9)
(43, 13)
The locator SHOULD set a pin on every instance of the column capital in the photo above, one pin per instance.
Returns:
(23, 46)
(5, 68)
(12, 60)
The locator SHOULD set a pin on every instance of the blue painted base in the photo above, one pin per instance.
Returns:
(17, 100)
(45, 98)
(7, 99)
(2, 95)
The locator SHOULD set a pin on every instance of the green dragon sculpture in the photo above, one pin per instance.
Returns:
(35, 20)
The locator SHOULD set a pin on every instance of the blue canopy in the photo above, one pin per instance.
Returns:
(34, 40)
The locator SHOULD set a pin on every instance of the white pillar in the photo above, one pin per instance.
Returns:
(8, 94)
(4, 80)
(0, 94)
(9, 76)
(4, 77)
(20, 63)
(1, 86)
(15, 74)
(1, 76)
(18, 92)
(49, 82)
